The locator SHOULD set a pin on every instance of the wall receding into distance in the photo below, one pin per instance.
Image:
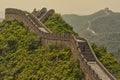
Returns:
(80, 47)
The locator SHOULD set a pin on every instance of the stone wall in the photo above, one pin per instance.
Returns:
(43, 14)
(20, 16)
(46, 15)
(67, 40)
(39, 13)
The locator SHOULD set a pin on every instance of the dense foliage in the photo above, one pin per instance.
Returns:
(21, 58)
(108, 60)
(57, 25)
(106, 28)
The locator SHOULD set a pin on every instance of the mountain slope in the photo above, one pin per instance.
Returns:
(22, 58)
(79, 21)
(102, 27)
(57, 24)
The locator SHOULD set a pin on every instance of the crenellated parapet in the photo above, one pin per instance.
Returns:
(19, 15)
(80, 47)
(43, 14)
(46, 15)
(29, 20)
(39, 13)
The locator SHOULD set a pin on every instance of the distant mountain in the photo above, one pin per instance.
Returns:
(102, 27)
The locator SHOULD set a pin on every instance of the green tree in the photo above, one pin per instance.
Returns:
(25, 59)
(108, 60)
(57, 25)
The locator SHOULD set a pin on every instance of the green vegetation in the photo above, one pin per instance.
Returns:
(108, 60)
(57, 25)
(22, 58)
(106, 28)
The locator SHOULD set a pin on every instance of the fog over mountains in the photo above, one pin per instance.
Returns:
(102, 27)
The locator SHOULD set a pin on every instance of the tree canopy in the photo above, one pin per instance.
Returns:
(108, 60)
(57, 25)
(22, 58)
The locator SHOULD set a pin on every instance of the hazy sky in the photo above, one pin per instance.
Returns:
(81, 7)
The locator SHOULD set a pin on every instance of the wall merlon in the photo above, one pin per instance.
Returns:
(13, 11)
(46, 15)
(39, 13)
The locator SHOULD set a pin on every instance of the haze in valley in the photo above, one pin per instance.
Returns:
(80, 7)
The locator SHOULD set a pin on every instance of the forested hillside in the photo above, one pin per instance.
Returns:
(22, 58)
(57, 25)
(102, 28)
(108, 60)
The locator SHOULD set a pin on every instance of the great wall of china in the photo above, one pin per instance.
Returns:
(80, 47)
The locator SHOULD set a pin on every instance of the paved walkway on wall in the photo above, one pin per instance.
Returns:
(41, 28)
(99, 71)
(39, 25)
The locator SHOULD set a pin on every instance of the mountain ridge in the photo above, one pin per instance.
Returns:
(98, 27)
